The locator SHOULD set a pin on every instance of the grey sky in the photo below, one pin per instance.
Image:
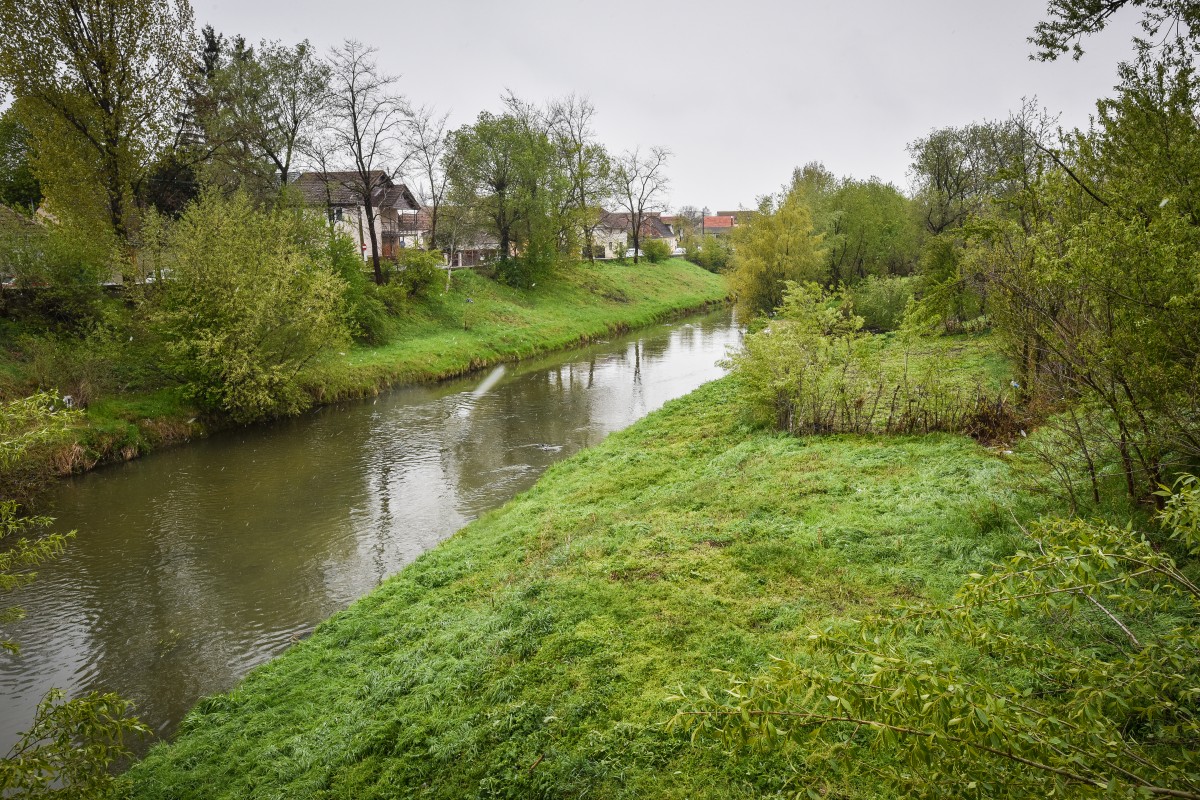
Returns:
(741, 92)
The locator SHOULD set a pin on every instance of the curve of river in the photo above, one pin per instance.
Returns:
(193, 565)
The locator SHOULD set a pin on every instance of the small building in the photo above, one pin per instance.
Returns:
(613, 234)
(395, 208)
(718, 225)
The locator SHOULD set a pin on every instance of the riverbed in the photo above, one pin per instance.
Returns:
(193, 565)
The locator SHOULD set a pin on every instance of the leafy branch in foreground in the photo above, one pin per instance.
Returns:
(71, 744)
(1073, 670)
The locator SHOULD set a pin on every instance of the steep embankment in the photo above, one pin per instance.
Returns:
(476, 323)
(531, 654)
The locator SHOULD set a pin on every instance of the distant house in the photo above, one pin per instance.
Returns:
(613, 234)
(397, 212)
(718, 225)
(740, 217)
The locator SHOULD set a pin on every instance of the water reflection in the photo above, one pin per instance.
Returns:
(194, 565)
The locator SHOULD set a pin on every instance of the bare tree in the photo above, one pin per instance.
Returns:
(640, 187)
(426, 140)
(366, 123)
(585, 161)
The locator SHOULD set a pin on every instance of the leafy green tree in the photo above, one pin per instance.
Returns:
(873, 231)
(504, 172)
(252, 298)
(104, 80)
(18, 186)
(1068, 671)
(778, 245)
(259, 109)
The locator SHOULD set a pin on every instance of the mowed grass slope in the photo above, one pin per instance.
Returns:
(531, 655)
(480, 322)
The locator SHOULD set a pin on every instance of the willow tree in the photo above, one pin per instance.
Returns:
(777, 245)
(102, 79)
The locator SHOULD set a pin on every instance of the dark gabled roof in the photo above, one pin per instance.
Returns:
(340, 189)
(399, 197)
(652, 224)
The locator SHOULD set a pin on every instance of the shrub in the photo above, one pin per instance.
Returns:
(251, 300)
(418, 271)
(59, 271)
(881, 302)
(813, 370)
(713, 253)
(656, 250)
(366, 312)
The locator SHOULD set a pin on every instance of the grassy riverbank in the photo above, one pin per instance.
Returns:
(476, 323)
(531, 654)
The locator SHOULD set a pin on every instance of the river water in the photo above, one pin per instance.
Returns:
(193, 565)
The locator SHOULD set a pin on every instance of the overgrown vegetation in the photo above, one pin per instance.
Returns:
(531, 654)
(419, 326)
(815, 371)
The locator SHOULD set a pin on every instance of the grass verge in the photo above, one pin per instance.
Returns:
(531, 654)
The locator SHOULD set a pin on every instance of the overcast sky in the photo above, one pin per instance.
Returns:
(740, 91)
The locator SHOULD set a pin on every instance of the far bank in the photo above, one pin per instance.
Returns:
(471, 324)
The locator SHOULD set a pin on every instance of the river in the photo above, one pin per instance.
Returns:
(193, 565)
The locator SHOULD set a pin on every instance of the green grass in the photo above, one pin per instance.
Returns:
(480, 322)
(531, 654)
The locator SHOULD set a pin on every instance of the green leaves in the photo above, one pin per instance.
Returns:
(1087, 689)
(252, 298)
(70, 748)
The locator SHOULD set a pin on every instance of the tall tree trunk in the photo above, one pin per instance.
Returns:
(370, 211)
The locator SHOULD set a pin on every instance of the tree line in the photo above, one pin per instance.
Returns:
(122, 109)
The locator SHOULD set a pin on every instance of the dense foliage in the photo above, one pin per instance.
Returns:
(250, 301)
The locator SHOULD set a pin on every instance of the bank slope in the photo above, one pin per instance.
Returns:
(476, 323)
(530, 655)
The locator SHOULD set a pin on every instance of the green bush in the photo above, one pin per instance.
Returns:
(656, 250)
(60, 271)
(881, 302)
(366, 312)
(252, 299)
(814, 371)
(711, 252)
(66, 365)
(418, 271)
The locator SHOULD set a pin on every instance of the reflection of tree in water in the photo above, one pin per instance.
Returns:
(506, 437)
(193, 565)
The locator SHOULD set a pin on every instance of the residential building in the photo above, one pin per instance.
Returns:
(397, 223)
(612, 236)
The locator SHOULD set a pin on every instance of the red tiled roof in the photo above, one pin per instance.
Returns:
(719, 222)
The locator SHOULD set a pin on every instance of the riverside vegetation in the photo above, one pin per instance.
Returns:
(451, 326)
(533, 653)
(804, 580)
